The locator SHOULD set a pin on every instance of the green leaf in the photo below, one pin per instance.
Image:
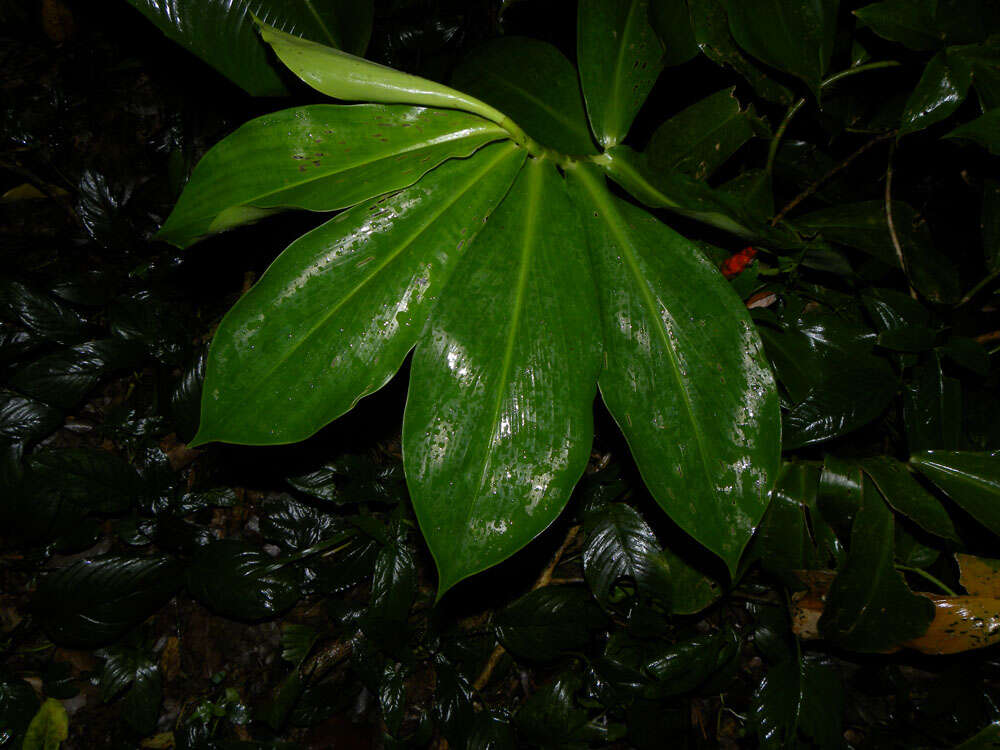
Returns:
(321, 158)
(839, 496)
(241, 581)
(548, 622)
(925, 24)
(535, 85)
(672, 23)
(298, 526)
(335, 315)
(343, 76)
(131, 669)
(691, 589)
(499, 415)
(24, 420)
(711, 31)
(907, 339)
(681, 667)
(987, 738)
(906, 495)
(684, 375)
(932, 408)
(18, 705)
(393, 589)
(800, 698)
(869, 607)
(968, 353)
(865, 226)
(984, 131)
(990, 222)
(699, 139)
(48, 729)
(619, 58)
(551, 717)
(793, 36)
(93, 602)
(621, 545)
(91, 478)
(353, 478)
(941, 89)
(66, 376)
(39, 314)
(222, 34)
(970, 479)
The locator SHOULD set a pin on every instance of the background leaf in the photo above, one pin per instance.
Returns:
(970, 479)
(548, 622)
(241, 581)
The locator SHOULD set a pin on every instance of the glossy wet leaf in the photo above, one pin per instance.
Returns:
(134, 673)
(49, 727)
(941, 89)
(869, 607)
(622, 548)
(683, 373)
(297, 526)
(320, 157)
(961, 623)
(353, 478)
(971, 479)
(393, 589)
(18, 706)
(711, 30)
(672, 23)
(334, 316)
(93, 602)
(24, 420)
(983, 131)
(222, 33)
(91, 478)
(534, 84)
(800, 700)
(620, 58)
(344, 76)
(548, 622)
(865, 226)
(692, 589)
(551, 717)
(39, 313)
(932, 408)
(682, 666)
(907, 496)
(498, 421)
(699, 139)
(793, 36)
(239, 580)
(979, 576)
(924, 24)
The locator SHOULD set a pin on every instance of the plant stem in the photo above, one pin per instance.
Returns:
(929, 577)
(892, 226)
(794, 109)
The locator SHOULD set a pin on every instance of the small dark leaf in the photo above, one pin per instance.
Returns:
(940, 91)
(185, 399)
(968, 353)
(393, 589)
(241, 581)
(18, 704)
(93, 602)
(39, 314)
(984, 131)
(925, 24)
(932, 408)
(94, 479)
(392, 696)
(353, 478)
(548, 622)
(145, 319)
(297, 641)
(133, 670)
(907, 496)
(970, 479)
(621, 545)
(672, 23)
(869, 607)
(551, 717)
(800, 700)
(351, 565)
(491, 732)
(24, 420)
(681, 667)
(297, 526)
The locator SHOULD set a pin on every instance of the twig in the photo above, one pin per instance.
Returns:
(813, 187)
(889, 221)
(543, 580)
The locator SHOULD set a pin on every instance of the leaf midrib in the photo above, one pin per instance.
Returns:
(403, 246)
(615, 110)
(556, 114)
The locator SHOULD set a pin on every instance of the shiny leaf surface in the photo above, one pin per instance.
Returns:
(984, 131)
(970, 479)
(498, 421)
(222, 33)
(906, 495)
(869, 607)
(932, 408)
(333, 317)
(941, 89)
(799, 697)
(684, 375)
(925, 24)
(619, 58)
(793, 36)
(533, 83)
(49, 727)
(320, 157)
(548, 622)
(979, 576)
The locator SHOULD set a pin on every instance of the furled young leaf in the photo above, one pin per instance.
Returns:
(698, 140)
(984, 131)
(672, 23)
(48, 729)
(546, 623)
(970, 479)
(344, 76)
(535, 85)
(334, 316)
(906, 495)
(241, 581)
(499, 415)
(684, 375)
(621, 545)
(793, 36)
(619, 58)
(869, 607)
(865, 226)
(320, 157)
(941, 89)
(222, 33)
(711, 31)
(800, 697)
(93, 602)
